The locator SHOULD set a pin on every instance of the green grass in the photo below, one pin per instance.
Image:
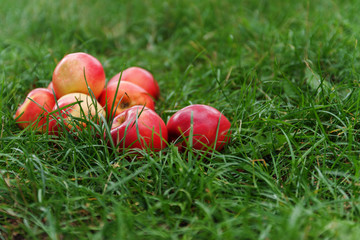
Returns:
(286, 74)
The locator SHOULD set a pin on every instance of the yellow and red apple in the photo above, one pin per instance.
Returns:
(34, 110)
(50, 86)
(76, 72)
(117, 97)
(75, 110)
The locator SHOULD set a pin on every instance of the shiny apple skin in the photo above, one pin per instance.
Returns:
(68, 76)
(128, 95)
(206, 133)
(74, 105)
(139, 128)
(140, 77)
(50, 86)
(35, 114)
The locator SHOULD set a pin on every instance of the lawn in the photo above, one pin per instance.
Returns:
(285, 73)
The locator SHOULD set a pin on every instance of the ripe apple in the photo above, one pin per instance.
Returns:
(210, 128)
(128, 94)
(68, 76)
(75, 110)
(140, 77)
(50, 86)
(139, 128)
(35, 108)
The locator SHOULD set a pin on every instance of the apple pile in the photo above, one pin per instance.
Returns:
(78, 95)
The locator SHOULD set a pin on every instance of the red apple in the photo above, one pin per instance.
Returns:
(50, 86)
(140, 77)
(68, 76)
(210, 127)
(139, 128)
(35, 109)
(75, 110)
(128, 94)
